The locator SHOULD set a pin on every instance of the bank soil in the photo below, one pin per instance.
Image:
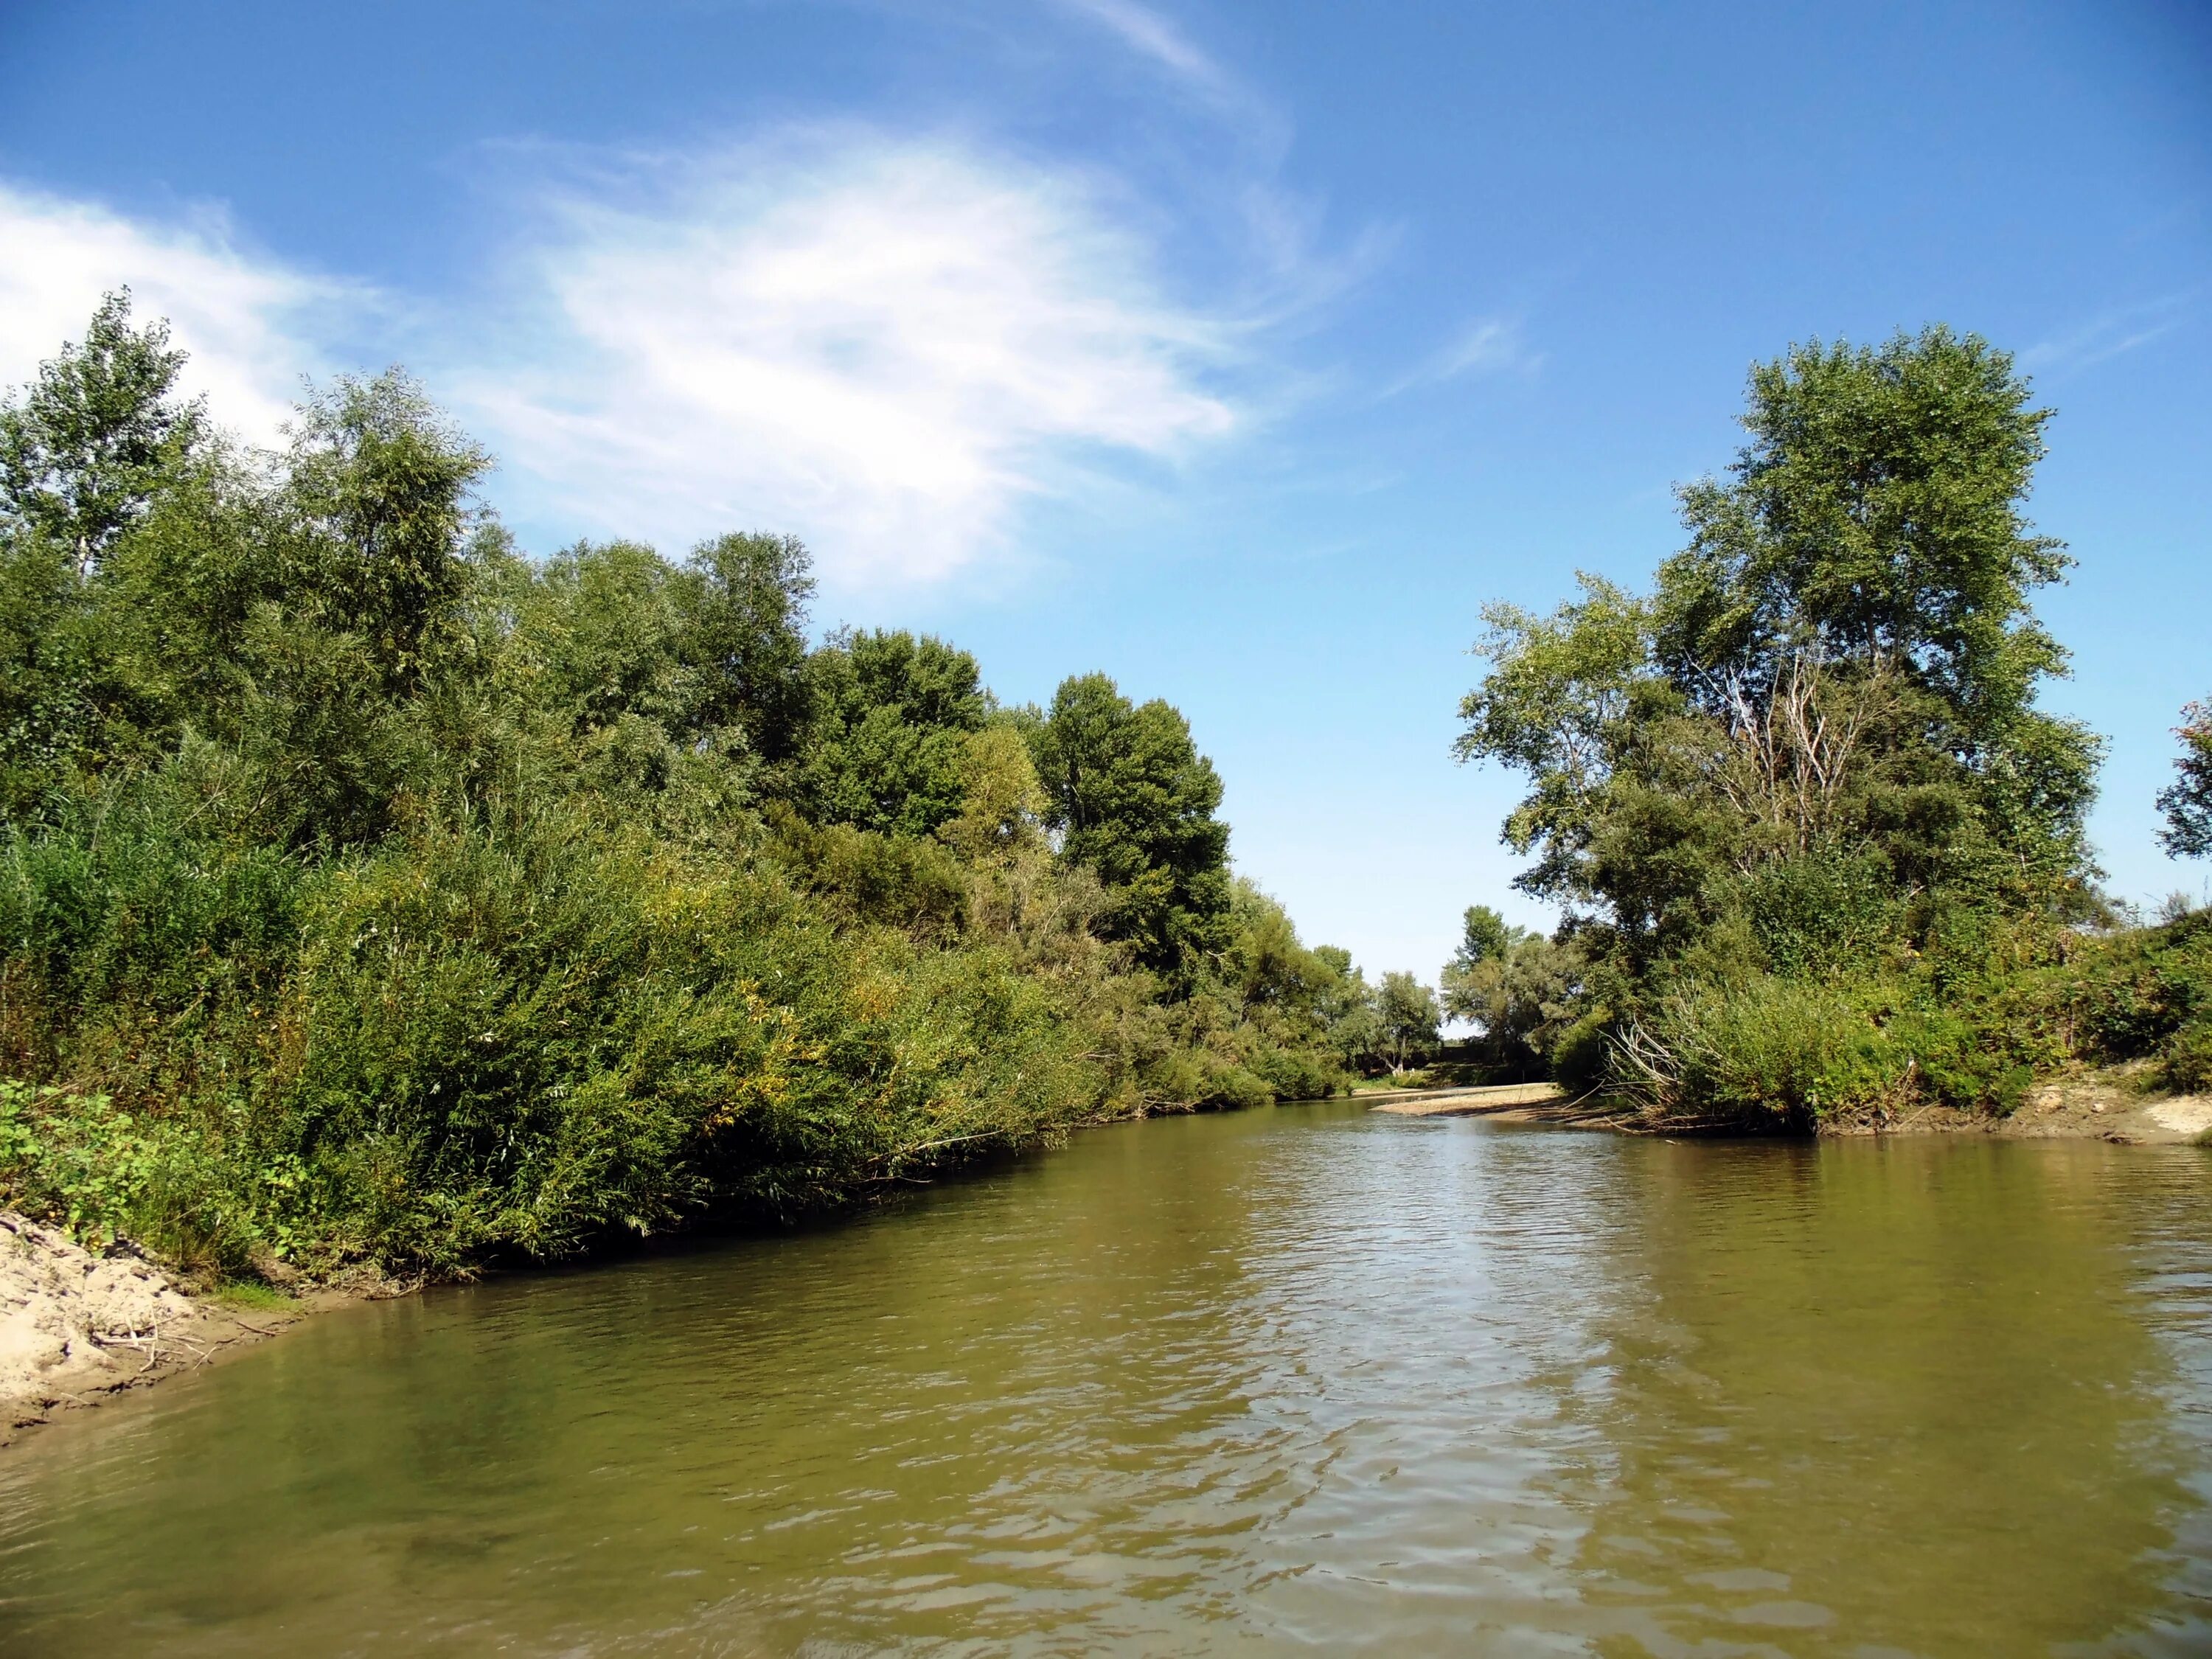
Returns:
(2105, 1105)
(1511, 1103)
(78, 1327)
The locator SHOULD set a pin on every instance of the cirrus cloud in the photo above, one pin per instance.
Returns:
(885, 346)
(254, 325)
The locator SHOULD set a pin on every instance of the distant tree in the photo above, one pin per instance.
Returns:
(1484, 936)
(85, 452)
(599, 628)
(1521, 990)
(1002, 804)
(1407, 1015)
(742, 601)
(378, 503)
(1134, 801)
(2187, 801)
(892, 714)
(1344, 1003)
(97, 433)
(1265, 963)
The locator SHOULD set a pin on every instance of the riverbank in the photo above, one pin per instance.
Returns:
(78, 1330)
(2101, 1105)
(2108, 1105)
(1507, 1102)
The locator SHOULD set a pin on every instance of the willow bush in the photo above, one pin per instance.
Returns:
(371, 892)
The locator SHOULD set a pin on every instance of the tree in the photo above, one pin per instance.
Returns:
(1406, 1017)
(85, 452)
(892, 714)
(1522, 989)
(2187, 801)
(1344, 1003)
(1134, 801)
(378, 493)
(599, 630)
(97, 434)
(1819, 728)
(1875, 526)
(1001, 802)
(1485, 936)
(742, 603)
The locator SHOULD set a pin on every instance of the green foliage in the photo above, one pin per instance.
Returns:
(2140, 994)
(72, 1158)
(1799, 804)
(97, 436)
(1344, 1007)
(892, 716)
(1134, 801)
(1523, 991)
(369, 891)
(742, 604)
(1771, 1053)
(2187, 801)
(1875, 516)
(374, 510)
(1407, 1016)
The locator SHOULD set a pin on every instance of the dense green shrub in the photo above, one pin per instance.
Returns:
(1768, 1053)
(368, 891)
(2138, 993)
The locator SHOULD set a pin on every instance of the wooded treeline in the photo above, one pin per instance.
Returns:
(370, 890)
(1819, 851)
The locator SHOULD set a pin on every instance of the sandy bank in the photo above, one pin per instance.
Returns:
(1510, 1102)
(77, 1328)
(2096, 1106)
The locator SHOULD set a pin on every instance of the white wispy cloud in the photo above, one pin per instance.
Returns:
(252, 325)
(2108, 335)
(884, 345)
(887, 345)
(1150, 35)
(1482, 345)
(1254, 123)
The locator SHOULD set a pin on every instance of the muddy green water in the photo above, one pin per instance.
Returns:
(1299, 1380)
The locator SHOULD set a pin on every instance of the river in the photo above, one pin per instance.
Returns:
(1298, 1380)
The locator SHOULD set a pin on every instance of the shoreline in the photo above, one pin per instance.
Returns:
(79, 1328)
(2094, 1106)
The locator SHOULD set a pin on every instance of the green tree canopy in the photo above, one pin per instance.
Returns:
(742, 603)
(369, 889)
(892, 714)
(1134, 801)
(2187, 801)
(1407, 1016)
(1820, 726)
(1522, 990)
(97, 434)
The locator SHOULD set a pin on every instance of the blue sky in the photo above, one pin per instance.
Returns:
(1240, 350)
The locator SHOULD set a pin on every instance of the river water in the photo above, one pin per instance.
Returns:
(1299, 1380)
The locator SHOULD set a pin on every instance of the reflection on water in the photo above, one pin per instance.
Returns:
(1299, 1379)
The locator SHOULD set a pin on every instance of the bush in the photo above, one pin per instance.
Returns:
(1768, 1053)
(73, 1159)
(2141, 993)
(369, 891)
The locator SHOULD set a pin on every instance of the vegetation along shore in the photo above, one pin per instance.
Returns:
(375, 900)
(378, 904)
